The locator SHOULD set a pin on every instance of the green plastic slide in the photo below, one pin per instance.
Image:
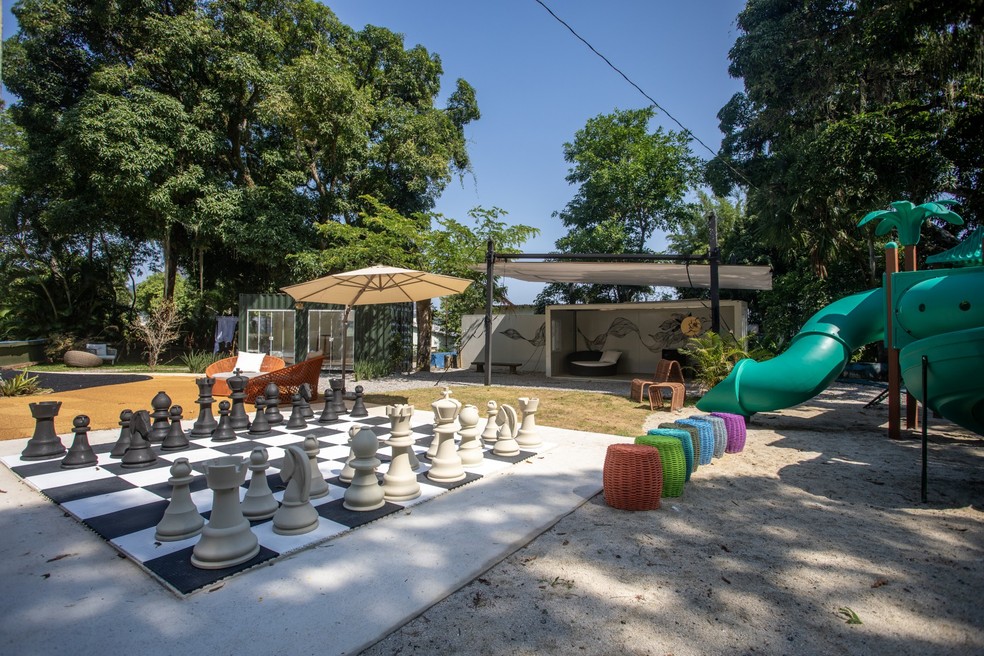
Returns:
(815, 357)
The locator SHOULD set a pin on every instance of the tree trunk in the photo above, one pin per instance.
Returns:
(425, 316)
(170, 264)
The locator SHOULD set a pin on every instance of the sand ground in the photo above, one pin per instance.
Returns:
(821, 512)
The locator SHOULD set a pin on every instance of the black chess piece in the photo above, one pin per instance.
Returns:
(139, 454)
(176, 440)
(296, 418)
(238, 419)
(359, 407)
(260, 425)
(158, 431)
(123, 442)
(305, 391)
(224, 432)
(328, 413)
(272, 394)
(80, 454)
(44, 443)
(205, 425)
(337, 396)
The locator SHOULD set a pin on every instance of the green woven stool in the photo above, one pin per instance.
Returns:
(694, 438)
(673, 461)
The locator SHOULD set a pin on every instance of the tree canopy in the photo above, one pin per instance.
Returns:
(236, 137)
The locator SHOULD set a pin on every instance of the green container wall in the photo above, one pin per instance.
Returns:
(376, 327)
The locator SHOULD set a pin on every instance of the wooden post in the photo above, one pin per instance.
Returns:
(894, 377)
(911, 418)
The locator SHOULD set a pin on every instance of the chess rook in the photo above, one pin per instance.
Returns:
(227, 539)
(399, 482)
(44, 443)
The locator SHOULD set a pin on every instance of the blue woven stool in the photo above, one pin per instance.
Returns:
(685, 442)
(720, 434)
(694, 438)
(706, 433)
(736, 430)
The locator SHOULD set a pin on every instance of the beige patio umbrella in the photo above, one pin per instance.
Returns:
(374, 285)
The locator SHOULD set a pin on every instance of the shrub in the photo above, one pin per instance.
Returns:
(715, 356)
(198, 361)
(59, 343)
(369, 369)
(23, 384)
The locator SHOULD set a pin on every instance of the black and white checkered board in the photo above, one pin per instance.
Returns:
(125, 505)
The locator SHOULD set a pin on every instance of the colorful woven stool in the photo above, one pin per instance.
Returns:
(685, 442)
(694, 438)
(632, 477)
(736, 430)
(720, 433)
(706, 433)
(673, 460)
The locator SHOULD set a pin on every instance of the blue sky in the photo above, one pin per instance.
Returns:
(537, 85)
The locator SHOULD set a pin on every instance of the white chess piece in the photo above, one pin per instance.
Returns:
(296, 515)
(506, 445)
(527, 435)
(399, 481)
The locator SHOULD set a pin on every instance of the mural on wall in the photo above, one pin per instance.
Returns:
(538, 341)
(673, 332)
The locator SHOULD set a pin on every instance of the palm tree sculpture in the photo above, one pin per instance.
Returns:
(908, 219)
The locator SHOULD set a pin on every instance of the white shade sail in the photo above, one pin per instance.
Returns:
(636, 273)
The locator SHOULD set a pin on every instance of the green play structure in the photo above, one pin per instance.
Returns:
(936, 313)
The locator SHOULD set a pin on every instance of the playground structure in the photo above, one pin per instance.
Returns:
(936, 316)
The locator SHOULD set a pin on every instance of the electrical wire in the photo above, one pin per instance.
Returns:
(644, 94)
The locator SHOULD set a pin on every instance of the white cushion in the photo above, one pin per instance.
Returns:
(592, 363)
(610, 356)
(249, 361)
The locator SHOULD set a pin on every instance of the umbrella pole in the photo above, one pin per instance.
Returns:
(345, 323)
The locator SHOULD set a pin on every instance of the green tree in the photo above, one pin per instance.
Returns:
(631, 182)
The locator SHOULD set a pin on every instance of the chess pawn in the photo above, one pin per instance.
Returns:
(319, 486)
(227, 539)
(181, 518)
(80, 454)
(158, 431)
(224, 431)
(176, 440)
(44, 443)
(296, 515)
(364, 492)
(123, 442)
(260, 425)
(328, 414)
(359, 407)
(399, 482)
(296, 417)
(205, 425)
(506, 444)
(259, 503)
(272, 395)
(491, 432)
(446, 464)
(305, 391)
(139, 454)
(238, 419)
(470, 449)
(527, 435)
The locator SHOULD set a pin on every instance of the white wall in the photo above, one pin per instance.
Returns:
(515, 338)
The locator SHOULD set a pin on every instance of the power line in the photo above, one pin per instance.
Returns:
(640, 90)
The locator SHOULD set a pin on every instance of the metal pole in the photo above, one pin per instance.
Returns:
(925, 437)
(715, 256)
(489, 284)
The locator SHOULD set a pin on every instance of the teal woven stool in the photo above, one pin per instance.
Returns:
(694, 438)
(673, 461)
(685, 441)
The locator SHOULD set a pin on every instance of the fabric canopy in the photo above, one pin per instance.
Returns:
(636, 273)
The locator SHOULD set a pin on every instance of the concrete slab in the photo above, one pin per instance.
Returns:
(66, 591)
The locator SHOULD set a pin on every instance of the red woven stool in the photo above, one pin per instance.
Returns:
(633, 477)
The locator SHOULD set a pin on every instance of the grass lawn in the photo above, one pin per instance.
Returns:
(119, 368)
(593, 412)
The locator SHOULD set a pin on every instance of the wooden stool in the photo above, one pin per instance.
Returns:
(632, 477)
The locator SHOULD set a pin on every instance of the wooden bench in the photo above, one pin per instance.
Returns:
(513, 366)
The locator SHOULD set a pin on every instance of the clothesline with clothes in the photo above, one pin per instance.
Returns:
(225, 331)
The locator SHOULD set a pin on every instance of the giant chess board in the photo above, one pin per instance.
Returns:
(125, 505)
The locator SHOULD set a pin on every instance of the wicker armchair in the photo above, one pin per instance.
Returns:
(226, 365)
(288, 379)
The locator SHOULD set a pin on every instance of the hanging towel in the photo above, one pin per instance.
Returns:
(225, 328)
